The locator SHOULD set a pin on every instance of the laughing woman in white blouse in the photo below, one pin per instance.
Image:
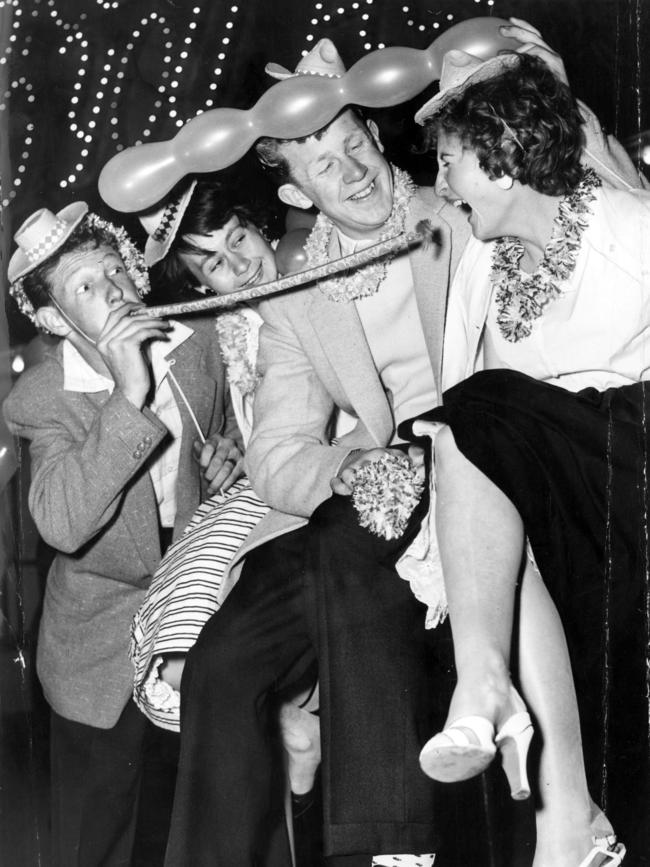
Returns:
(546, 444)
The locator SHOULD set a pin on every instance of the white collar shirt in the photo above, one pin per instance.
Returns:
(393, 329)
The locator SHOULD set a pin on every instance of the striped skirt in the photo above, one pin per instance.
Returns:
(187, 588)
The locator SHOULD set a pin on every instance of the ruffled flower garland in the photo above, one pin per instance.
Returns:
(364, 281)
(128, 252)
(238, 343)
(521, 298)
(385, 492)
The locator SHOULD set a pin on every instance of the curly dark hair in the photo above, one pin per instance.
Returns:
(273, 160)
(37, 284)
(212, 205)
(524, 123)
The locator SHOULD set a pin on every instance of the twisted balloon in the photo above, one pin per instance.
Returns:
(140, 176)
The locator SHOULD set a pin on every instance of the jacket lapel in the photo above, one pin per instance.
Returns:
(185, 362)
(338, 329)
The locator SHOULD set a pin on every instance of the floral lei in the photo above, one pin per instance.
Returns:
(384, 494)
(521, 298)
(129, 253)
(364, 281)
(238, 344)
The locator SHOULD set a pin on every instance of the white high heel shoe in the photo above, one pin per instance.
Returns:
(468, 746)
(606, 853)
(463, 750)
(513, 740)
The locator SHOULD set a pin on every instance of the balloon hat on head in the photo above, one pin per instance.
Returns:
(322, 60)
(296, 106)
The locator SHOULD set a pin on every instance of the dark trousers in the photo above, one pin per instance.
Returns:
(111, 791)
(328, 591)
(95, 788)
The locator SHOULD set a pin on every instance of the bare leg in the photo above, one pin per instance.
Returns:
(481, 542)
(564, 809)
(301, 740)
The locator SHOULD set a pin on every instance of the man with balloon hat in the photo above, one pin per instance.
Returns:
(369, 343)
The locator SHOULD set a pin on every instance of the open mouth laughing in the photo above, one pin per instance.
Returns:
(363, 194)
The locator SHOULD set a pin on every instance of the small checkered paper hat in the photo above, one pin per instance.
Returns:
(162, 224)
(41, 235)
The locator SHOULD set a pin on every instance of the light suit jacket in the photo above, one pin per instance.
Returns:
(314, 357)
(93, 500)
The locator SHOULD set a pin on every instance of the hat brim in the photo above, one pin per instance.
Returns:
(155, 250)
(489, 69)
(20, 265)
(279, 72)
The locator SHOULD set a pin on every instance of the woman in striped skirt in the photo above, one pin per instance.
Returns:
(206, 241)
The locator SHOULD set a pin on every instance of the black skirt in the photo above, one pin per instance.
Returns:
(576, 466)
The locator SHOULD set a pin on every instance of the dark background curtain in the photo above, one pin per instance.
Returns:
(81, 79)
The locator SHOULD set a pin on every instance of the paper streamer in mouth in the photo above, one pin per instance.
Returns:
(291, 281)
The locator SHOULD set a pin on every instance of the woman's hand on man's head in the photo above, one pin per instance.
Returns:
(533, 43)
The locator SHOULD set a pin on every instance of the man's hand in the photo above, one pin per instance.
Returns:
(221, 462)
(342, 484)
(120, 344)
(534, 44)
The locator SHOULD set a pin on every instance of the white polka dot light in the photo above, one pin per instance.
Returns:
(99, 86)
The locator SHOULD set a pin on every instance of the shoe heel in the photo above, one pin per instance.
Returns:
(513, 741)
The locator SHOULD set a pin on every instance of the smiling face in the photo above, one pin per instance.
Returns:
(344, 174)
(233, 257)
(88, 284)
(463, 182)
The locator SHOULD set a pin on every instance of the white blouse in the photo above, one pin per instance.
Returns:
(596, 333)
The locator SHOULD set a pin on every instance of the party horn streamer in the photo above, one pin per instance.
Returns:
(291, 281)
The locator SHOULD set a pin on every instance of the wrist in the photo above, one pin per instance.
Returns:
(350, 459)
(134, 397)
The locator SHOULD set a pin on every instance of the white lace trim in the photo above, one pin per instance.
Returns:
(161, 695)
(420, 564)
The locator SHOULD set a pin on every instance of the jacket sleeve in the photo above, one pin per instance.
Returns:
(607, 157)
(79, 474)
(289, 459)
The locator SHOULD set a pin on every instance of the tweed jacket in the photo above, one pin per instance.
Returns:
(314, 358)
(93, 500)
